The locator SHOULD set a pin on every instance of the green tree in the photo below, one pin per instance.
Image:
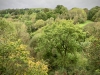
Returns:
(78, 15)
(93, 29)
(58, 44)
(51, 14)
(96, 17)
(15, 59)
(46, 10)
(87, 11)
(92, 12)
(41, 15)
(5, 29)
(60, 9)
(94, 57)
(93, 49)
(20, 32)
(45, 14)
(39, 23)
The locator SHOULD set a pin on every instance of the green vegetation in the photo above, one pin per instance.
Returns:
(43, 41)
(60, 42)
(87, 22)
(93, 13)
(77, 15)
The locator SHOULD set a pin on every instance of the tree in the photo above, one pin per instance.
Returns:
(51, 14)
(96, 17)
(6, 30)
(39, 23)
(41, 15)
(92, 12)
(87, 11)
(94, 57)
(58, 44)
(78, 15)
(60, 9)
(93, 29)
(45, 14)
(14, 57)
(46, 10)
(20, 32)
(4, 26)
(93, 49)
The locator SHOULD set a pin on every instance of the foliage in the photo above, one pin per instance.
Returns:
(92, 51)
(61, 12)
(39, 23)
(37, 68)
(5, 28)
(41, 15)
(51, 14)
(94, 57)
(78, 15)
(96, 17)
(58, 44)
(7, 15)
(93, 29)
(20, 32)
(60, 9)
(50, 21)
(33, 40)
(14, 59)
(85, 23)
(92, 12)
(86, 10)
(46, 10)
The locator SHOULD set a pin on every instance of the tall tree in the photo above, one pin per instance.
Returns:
(92, 12)
(60, 9)
(78, 15)
(58, 44)
(96, 17)
(94, 57)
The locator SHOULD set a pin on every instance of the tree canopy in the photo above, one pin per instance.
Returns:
(60, 41)
(78, 15)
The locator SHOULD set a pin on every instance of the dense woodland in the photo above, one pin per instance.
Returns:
(44, 41)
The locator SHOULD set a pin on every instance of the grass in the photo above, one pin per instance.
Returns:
(83, 24)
